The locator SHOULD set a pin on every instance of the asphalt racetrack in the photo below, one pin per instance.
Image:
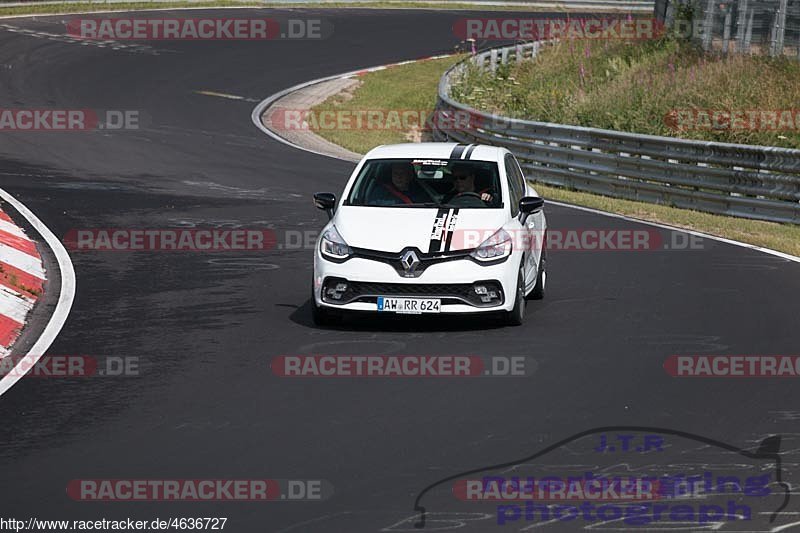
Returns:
(205, 326)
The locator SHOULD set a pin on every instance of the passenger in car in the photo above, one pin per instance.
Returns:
(402, 189)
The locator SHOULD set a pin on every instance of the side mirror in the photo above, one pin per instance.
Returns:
(325, 201)
(529, 205)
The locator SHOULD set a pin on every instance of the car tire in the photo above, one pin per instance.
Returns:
(541, 278)
(320, 315)
(516, 316)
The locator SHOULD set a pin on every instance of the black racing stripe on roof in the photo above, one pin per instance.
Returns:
(457, 151)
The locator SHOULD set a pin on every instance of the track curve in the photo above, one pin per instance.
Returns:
(205, 327)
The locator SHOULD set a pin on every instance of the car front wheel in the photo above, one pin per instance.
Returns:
(541, 279)
(516, 316)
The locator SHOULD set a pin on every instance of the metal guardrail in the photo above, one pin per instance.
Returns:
(614, 5)
(757, 182)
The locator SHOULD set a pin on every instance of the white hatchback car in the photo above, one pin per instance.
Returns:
(431, 228)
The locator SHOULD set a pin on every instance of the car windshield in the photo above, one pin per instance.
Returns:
(427, 183)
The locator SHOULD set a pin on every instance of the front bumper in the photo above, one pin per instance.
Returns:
(452, 282)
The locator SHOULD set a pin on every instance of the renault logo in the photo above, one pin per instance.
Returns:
(409, 261)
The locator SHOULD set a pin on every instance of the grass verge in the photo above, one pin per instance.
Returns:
(658, 87)
(80, 7)
(387, 95)
(408, 86)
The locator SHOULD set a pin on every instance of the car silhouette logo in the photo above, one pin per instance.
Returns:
(768, 450)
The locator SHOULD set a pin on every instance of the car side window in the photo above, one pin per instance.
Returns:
(520, 176)
(513, 178)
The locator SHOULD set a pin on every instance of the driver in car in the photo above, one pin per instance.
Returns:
(464, 182)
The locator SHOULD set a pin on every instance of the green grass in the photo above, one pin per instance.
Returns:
(632, 86)
(415, 84)
(388, 91)
(102, 6)
(131, 6)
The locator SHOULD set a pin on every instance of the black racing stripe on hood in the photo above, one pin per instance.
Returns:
(469, 152)
(436, 240)
(449, 241)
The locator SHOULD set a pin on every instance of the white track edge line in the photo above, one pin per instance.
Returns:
(65, 297)
(782, 255)
(261, 106)
(259, 109)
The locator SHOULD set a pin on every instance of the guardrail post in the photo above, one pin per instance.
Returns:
(780, 27)
(518, 53)
(708, 25)
(773, 31)
(669, 15)
(741, 18)
(493, 60)
(748, 36)
(726, 36)
(504, 56)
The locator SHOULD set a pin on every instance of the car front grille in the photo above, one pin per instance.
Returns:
(449, 293)
(425, 259)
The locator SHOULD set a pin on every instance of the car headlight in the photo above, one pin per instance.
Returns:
(496, 247)
(332, 245)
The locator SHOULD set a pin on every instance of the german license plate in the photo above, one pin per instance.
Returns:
(409, 306)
